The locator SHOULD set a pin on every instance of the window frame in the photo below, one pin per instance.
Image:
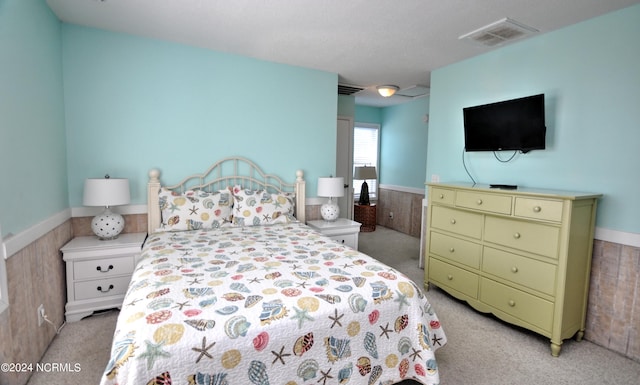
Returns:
(373, 186)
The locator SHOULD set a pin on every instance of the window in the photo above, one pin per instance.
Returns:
(365, 153)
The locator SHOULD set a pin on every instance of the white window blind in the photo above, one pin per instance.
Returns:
(365, 153)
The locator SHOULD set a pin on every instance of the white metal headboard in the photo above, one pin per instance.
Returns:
(224, 173)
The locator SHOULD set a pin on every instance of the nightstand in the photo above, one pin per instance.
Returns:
(365, 214)
(342, 230)
(99, 272)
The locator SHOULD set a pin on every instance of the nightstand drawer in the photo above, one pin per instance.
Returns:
(550, 210)
(100, 268)
(526, 307)
(455, 249)
(536, 275)
(500, 204)
(346, 239)
(453, 277)
(457, 221)
(528, 236)
(101, 288)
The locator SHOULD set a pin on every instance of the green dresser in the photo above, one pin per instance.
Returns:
(523, 255)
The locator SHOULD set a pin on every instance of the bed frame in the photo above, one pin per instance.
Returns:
(226, 172)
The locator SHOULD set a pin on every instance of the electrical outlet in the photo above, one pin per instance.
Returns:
(40, 315)
(435, 178)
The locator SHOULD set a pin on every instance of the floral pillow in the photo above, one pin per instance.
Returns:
(259, 207)
(195, 209)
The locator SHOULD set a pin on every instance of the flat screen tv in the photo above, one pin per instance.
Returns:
(516, 124)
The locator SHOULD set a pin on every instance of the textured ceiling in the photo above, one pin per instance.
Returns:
(366, 42)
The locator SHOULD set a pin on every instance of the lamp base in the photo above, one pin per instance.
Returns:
(364, 194)
(330, 211)
(108, 225)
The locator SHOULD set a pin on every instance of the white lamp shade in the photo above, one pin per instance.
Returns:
(365, 172)
(331, 187)
(106, 192)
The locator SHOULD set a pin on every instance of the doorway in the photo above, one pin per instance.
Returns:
(344, 164)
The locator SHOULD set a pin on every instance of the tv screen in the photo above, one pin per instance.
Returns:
(516, 124)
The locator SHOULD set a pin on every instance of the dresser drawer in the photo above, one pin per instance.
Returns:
(100, 268)
(101, 288)
(548, 210)
(453, 277)
(528, 236)
(500, 204)
(526, 307)
(455, 249)
(536, 275)
(442, 195)
(457, 221)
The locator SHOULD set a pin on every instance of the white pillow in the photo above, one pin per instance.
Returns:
(195, 209)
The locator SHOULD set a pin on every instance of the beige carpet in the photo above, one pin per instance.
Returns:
(481, 349)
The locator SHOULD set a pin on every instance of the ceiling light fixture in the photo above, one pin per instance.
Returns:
(387, 91)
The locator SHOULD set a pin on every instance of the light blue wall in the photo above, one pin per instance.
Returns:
(346, 105)
(403, 141)
(134, 103)
(590, 74)
(32, 137)
(403, 144)
(368, 114)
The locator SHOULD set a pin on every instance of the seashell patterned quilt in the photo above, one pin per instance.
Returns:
(278, 305)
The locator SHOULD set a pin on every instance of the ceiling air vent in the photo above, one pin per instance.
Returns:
(414, 91)
(497, 33)
(345, 89)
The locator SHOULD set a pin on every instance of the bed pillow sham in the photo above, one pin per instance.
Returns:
(259, 207)
(195, 209)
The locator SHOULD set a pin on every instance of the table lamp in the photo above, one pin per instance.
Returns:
(331, 188)
(363, 173)
(106, 192)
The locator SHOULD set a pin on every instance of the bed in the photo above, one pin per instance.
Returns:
(233, 288)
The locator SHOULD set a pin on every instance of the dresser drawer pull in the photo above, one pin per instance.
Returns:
(516, 235)
(450, 277)
(512, 303)
(104, 271)
(514, 269)
(105, 291)
(441, 196)
(453, 221)
(537, 209)
(479, 202)
(451, 250)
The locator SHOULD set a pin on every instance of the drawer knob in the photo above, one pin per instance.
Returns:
(537, 209)
(514, 269)
(104, 271)
(451, 249)
(441, 196)
(512, 303)
(479, 202)
(453, 221)
(105, 291)
(450, 277)
(516, 235)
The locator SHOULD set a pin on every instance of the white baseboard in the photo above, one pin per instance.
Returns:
(620, 237)
(17, 242)
(412, 190)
